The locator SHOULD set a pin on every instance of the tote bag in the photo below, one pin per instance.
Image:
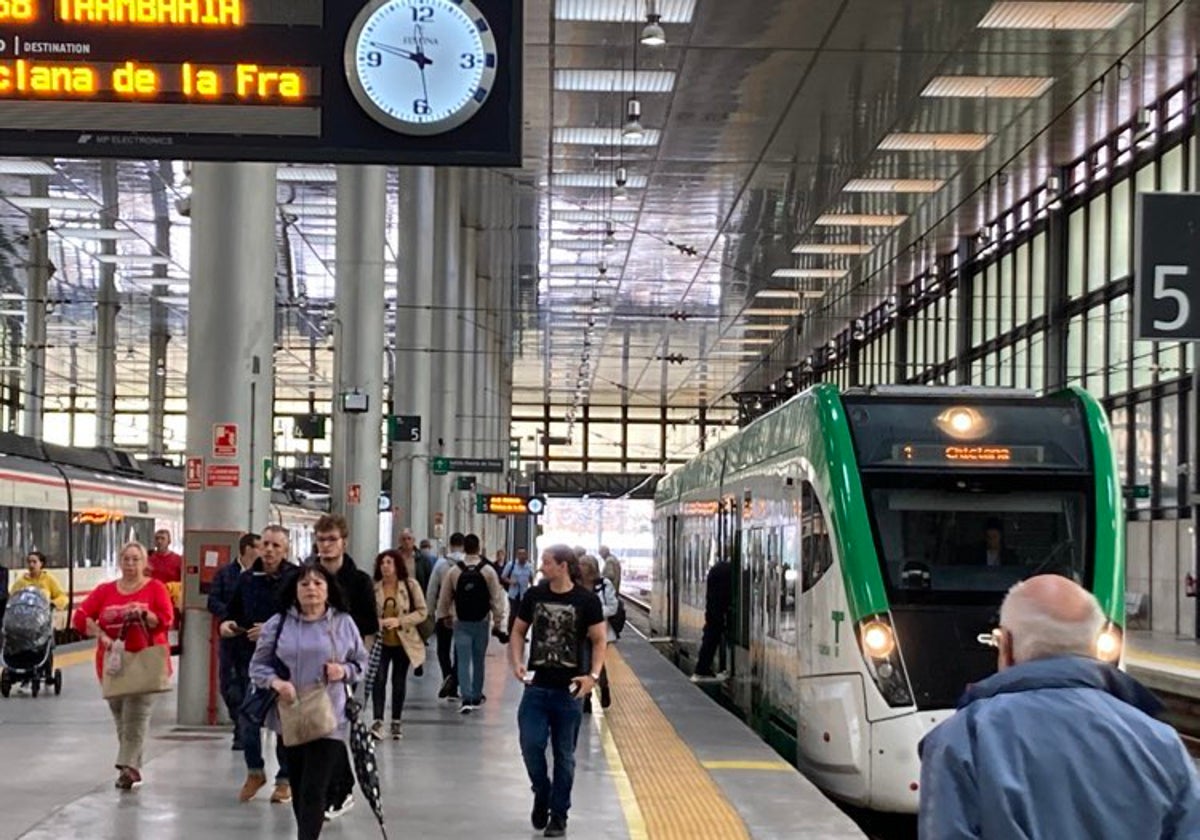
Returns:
(144, 672)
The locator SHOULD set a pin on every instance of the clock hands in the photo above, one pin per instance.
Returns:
(422, 60)
(418, 57)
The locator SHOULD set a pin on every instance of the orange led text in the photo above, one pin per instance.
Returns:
(17, 11)
(990, 454)
(213, 13)
(23, 76)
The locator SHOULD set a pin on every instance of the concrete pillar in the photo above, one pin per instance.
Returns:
(358, 352)
(446, 385)
(107, 308)
(230, 379)
(412, 389)
(159, 336)
(37, 273)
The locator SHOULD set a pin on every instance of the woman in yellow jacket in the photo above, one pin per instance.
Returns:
(38, 577)
(401, 606)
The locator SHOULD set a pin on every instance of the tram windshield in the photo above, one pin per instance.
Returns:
(940, 541)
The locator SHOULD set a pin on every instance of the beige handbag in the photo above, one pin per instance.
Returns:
(310, 718)
(144, 672)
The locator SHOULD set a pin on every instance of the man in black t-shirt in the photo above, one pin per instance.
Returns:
(565, 657)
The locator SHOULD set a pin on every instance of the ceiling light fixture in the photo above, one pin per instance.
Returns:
(653, 34)
(772, 313)
(987, 87)
(633, 120)
(893, 185)
(29, 202)
(1054, 15)
(861, 220)
(788, 294)
(841, 250)
(903, 141)
(808, 274)
(22, 166)
(619, 194)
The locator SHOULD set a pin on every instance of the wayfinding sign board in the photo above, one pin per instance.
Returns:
(1166, 299)
(343, 81)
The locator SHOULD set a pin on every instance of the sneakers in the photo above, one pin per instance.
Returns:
(557, 827)
(377, 730)
(282, 793)
(449, 688)
(253, 784)
(540, 815)
(467, 708)
(335, 811)
(128, 778)
(397, 730)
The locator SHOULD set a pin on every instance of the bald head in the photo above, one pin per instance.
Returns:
(1049, 615)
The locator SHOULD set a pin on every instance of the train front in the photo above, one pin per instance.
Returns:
(967, 495)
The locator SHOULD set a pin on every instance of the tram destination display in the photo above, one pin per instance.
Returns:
(268, 80)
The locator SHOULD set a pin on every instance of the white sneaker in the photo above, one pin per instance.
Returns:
(336, 811)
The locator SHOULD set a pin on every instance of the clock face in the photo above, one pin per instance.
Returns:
(420, 66)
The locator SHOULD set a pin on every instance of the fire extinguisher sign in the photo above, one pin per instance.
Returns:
(225, 440)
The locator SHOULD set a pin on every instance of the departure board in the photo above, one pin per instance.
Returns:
(260, 80)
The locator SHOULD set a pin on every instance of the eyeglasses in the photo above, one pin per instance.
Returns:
(328, 539)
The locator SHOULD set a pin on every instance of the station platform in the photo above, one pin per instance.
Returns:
(663, 761)
(1164, 662)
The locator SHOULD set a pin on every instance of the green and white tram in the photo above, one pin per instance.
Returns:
(873, 535)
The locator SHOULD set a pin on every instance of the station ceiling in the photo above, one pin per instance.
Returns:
(799, 160)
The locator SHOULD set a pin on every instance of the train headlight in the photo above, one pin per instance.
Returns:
(878, 640)
(1109, 643)
(962, 423)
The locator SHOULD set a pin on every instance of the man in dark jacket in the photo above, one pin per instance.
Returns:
(233, 676)
(718, 596)
(1058, 743)
(332, 532)
(255, 599)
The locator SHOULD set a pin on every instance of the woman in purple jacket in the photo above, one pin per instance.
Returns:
(317, 643)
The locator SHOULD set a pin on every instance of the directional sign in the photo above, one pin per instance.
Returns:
(1166, 296)
(268, 474)
(508, 505)
(441, 466)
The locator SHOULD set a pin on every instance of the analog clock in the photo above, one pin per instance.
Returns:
(420, 66)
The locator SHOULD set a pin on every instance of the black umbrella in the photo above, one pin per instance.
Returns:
(362, 745)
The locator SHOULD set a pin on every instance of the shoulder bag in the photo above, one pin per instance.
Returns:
(143, 672)
(311, 716)
(259, 701)
(426, 627)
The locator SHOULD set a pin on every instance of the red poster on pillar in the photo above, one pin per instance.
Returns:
(224, 475)
(195, 473)
(225, 440)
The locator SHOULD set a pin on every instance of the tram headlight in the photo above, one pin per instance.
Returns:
(878, 640)
(1110, 643)
(881, 654)
(963, 423)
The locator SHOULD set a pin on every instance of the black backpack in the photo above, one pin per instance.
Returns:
(472, 600)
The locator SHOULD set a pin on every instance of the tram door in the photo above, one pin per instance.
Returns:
(674, 562)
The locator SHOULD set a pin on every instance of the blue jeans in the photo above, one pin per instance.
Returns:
(550, 716)
(252, 749)
(470, 649)
(233, 672)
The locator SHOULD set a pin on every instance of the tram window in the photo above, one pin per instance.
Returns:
(942, 541)
(781, 606)
(816, 554)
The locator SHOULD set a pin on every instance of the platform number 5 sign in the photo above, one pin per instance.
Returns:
(1167, 273)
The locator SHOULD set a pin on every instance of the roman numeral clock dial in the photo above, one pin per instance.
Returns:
(420, 67)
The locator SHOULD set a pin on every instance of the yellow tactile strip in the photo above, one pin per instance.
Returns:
(677, 797)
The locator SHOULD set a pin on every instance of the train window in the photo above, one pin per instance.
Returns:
(781, 604)
(937, 540)
(816, 554)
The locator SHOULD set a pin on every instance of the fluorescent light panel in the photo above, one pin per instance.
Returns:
(772, 313)
(622, 11)
(861, 220)
(893, 185)
(988, 87)
(599, 180)
(788, 294)
(132, 260)
(808, 274)
(608, 81)
(306, 174)
(1055, 15)
(22, 166)
(604, 137)
(767, 327)
(932, 142)
(29, 202)
(97, 234)
(833, 249)
(747, 340)
(597, 216)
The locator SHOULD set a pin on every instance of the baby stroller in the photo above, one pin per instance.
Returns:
(27, 656)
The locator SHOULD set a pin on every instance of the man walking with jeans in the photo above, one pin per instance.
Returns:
(470, 593)
(565, 657)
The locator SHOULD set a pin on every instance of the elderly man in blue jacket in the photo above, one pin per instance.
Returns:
(1057, 744)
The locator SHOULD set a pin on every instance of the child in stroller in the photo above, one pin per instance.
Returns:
(27, 635)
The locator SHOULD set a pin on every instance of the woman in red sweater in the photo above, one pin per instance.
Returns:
(102, 615)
